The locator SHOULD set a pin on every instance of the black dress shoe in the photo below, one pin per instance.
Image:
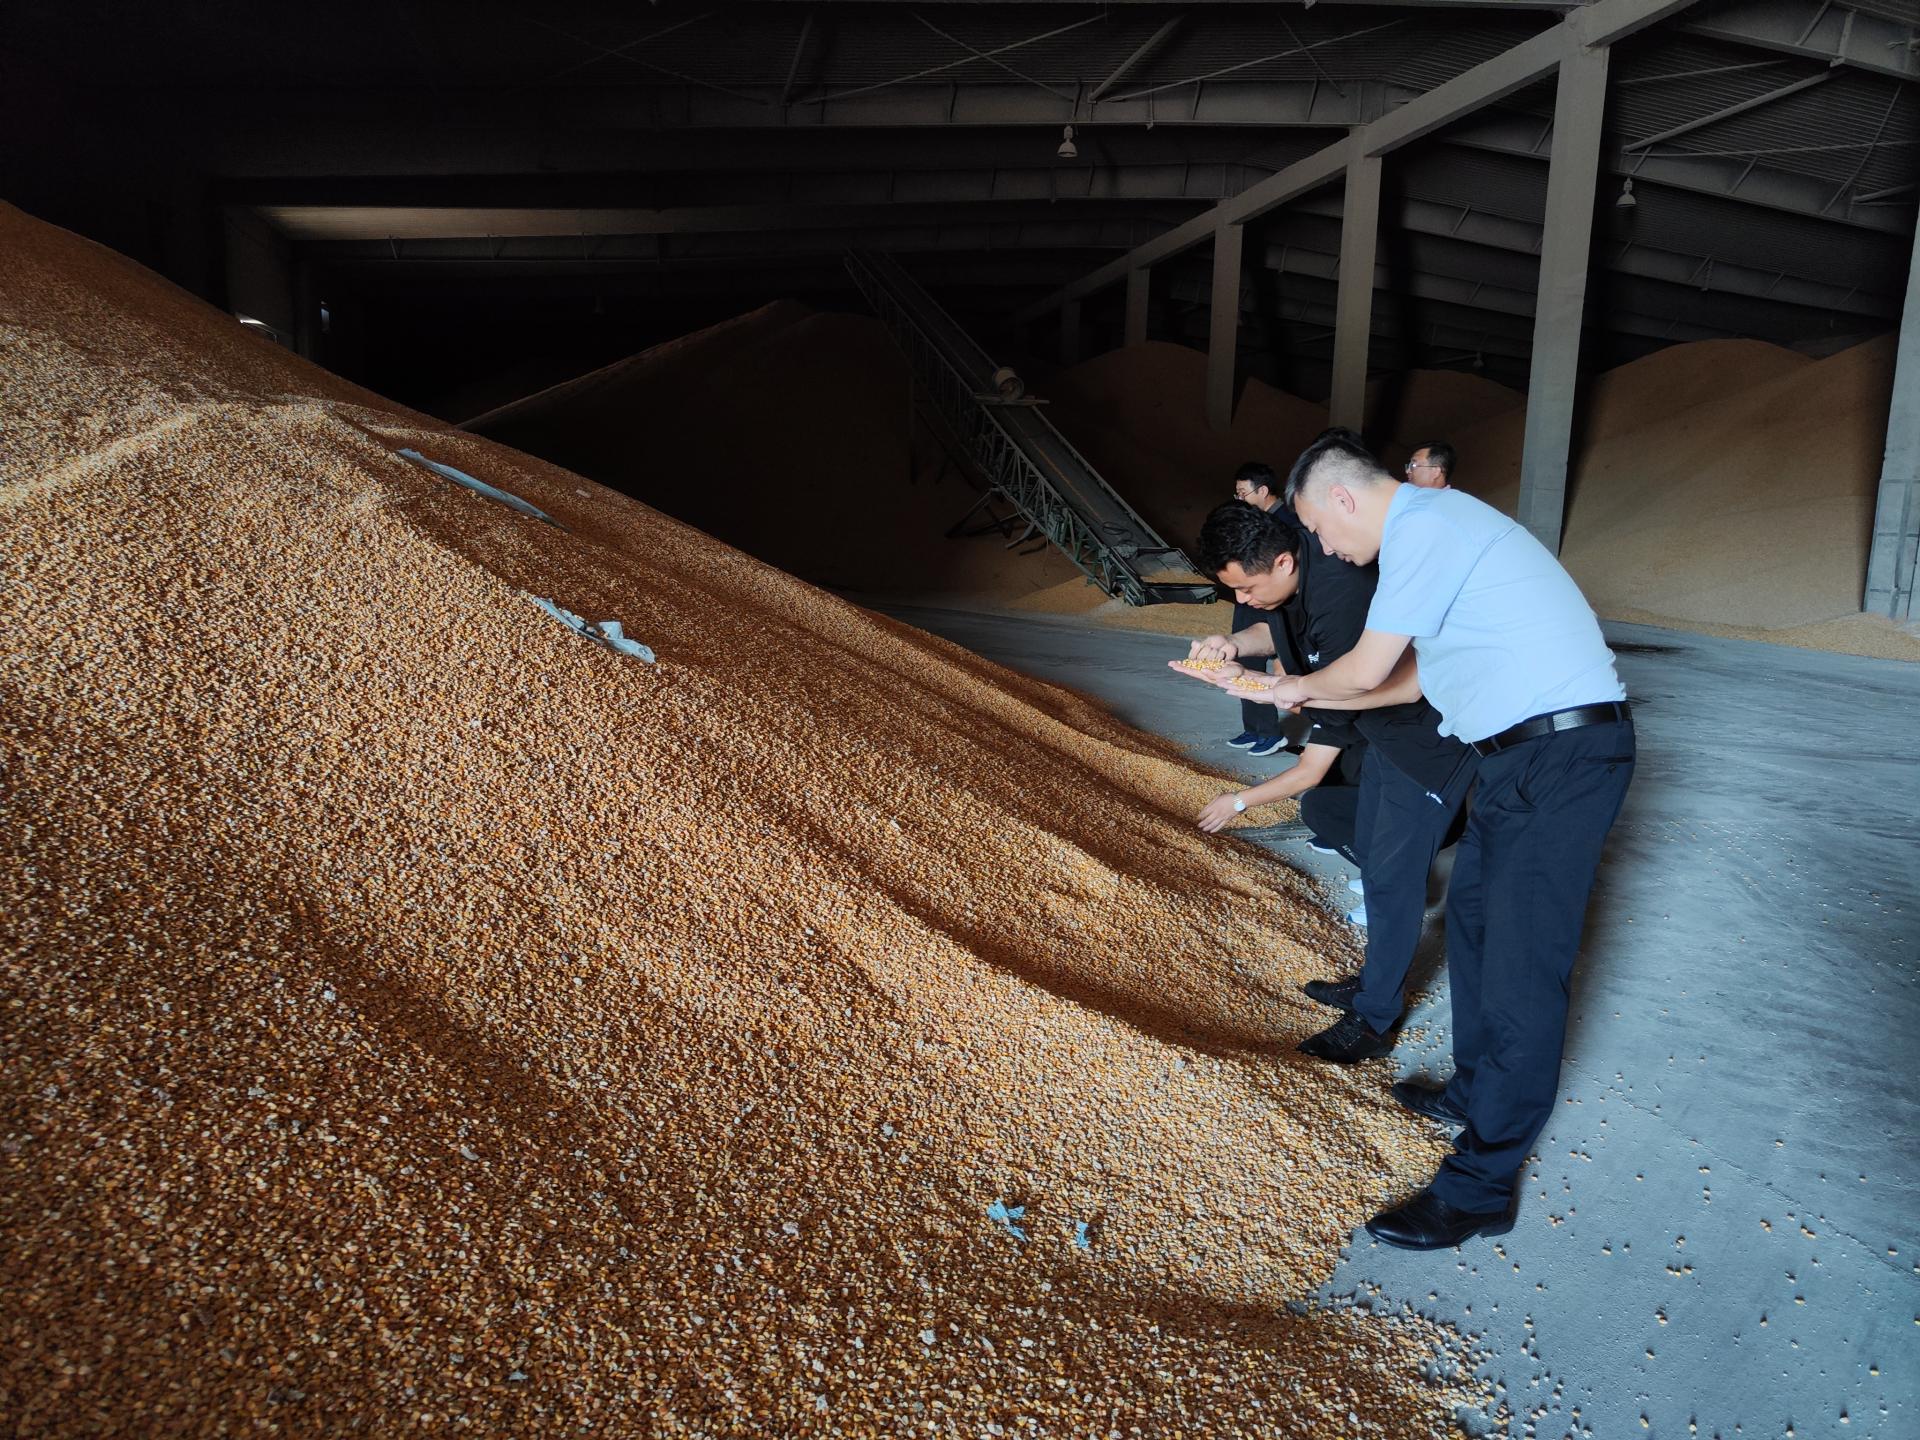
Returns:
(1426, 1100)
(1346, 1040)
(1426, 1222)
(1336, 993)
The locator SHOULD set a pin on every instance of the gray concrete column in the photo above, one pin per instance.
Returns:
(1895, 554)
(1139, 288)
(1353, 310)
(1575, 171)
(1070, 333)
(1223, 331)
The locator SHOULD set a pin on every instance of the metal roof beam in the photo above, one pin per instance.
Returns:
(541, 122)
(1814, 31)
(1446, 265)
(1465, 324)
(1753, 102)
(799, 49)
(1446, 223)
(1598, 25)
(1146, 50)
(1509, 134)
(1469, 294)
(317, 226)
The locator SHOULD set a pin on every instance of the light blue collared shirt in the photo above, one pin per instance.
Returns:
(1502, 631)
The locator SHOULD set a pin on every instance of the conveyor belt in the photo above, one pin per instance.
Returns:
(1019, 452)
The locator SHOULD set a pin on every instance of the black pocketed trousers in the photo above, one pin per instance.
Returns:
(1515, 912)
(1259, 718)
(1403, 826)
(1331, 809)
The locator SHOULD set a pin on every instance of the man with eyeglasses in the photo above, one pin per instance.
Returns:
(1431, 466)
(1262, 728)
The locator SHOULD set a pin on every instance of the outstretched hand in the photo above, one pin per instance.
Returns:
(1214, 672)
(1217, 813)
(1278, 690)
(1214, 647)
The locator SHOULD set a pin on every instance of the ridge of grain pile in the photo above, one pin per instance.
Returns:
(783, 431)
(420, 1019)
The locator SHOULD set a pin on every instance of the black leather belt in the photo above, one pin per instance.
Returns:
(1547, 724)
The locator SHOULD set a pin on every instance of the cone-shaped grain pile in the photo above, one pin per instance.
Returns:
(785, 432)
(1721, 485)
(423, 1019)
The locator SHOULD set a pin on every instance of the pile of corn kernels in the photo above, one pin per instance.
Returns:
(418, 1018)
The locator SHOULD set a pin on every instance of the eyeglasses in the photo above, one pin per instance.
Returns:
(1421, 465)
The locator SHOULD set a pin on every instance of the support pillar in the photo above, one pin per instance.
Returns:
(1070, 333)
(1895, 554)
(1558, 311)
(1139, 288)
(1353, 310)
(1223, 332)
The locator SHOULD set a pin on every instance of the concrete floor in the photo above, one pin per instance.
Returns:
(1720, 1231)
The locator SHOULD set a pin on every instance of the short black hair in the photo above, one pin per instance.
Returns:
(1258, 474)
(1341, 432)
(1338, 441)
(1245, 535)
(1439, 453)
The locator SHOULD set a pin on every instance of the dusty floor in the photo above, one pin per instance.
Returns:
(1720, 1235)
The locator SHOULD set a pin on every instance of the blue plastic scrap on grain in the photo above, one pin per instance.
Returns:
(607, 632)
(1080, 1235)
(1003, 1214)
(480, 487)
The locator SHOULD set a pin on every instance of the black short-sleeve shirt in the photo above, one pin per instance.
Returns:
(1323, 621)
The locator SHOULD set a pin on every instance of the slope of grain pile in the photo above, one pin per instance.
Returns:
(421, 1019)
(1643, 392)
(1725, 484)
(1140, 415)
(1420, 407)
(783, 432)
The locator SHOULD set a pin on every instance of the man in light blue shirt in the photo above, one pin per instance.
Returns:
(1510, 654)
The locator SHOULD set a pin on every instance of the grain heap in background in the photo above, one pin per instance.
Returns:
(1725, 486)
(782, 431)
(422, 1019)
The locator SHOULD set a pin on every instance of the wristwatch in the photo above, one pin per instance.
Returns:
(1238, 804)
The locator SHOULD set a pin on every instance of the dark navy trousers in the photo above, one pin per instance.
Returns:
(1515, 911)
(1402, 826)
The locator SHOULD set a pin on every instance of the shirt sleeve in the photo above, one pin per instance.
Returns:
(1421, 574)
(1330, 727)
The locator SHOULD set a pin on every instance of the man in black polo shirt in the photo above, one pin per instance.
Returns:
(1413, 779)
(1262, 727)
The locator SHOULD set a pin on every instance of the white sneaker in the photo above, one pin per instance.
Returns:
(1357, 886)
(1319, 849)
(1358, 916)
